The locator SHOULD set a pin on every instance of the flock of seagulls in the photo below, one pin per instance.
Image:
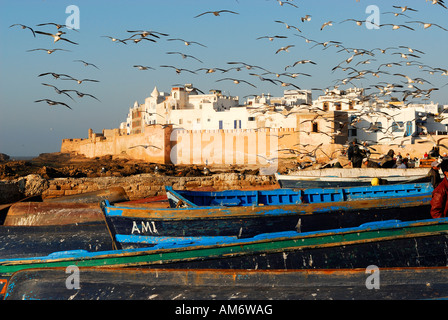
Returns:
(58, 36)
(388, 66)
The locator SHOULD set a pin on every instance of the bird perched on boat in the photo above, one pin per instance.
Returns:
(49, 51)
(86, 63)
(236, 81)
(140, 67)
(187, 43)
(184, 56)
(23, 27)
(53, 103)
(56, 36)
(216, 13)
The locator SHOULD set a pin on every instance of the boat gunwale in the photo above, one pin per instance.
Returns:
(222, 212)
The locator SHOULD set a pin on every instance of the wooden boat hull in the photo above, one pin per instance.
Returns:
(26, 241)
(338, 178)
(48, 213)
(386, 244)
(113, 194)
(168, 284)
(249, 221)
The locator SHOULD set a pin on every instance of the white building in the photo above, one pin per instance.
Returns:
(382, 122)
(185, 108)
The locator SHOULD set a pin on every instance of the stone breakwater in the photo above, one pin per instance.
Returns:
(136, 186)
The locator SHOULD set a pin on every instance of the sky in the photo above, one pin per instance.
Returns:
(28, 128)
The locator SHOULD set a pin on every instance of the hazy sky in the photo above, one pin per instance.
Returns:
(28, 128)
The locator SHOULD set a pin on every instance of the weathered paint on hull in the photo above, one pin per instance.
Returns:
(113, 194)
(20, 241)
(141, 284)
(391, 244)
(48, 213)
(253, 220)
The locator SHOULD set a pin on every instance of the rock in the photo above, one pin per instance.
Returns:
(34, 185)
(4, 157)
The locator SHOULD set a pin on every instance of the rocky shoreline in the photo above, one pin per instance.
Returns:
(57, 175)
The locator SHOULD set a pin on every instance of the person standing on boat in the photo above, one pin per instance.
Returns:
(439, 201)
(354, 154)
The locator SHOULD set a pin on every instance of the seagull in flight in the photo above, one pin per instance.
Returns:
(81, 94)
(178, 70)
(81, 80)
(426, 25)
(57, 25)
(144, 33)
(271, 37)
(23, 27)
(53, 103)
(403, 9)
(187, 43)
(49, 51)
(55, 75)
(115, 39)
(396, 26)
(86, 63)
(56, 36)
(58, 91)
(287, 25)
(236, 81)
(216, 13)
(184, 56)
(146, 146)
(329, 23)
(140, 67)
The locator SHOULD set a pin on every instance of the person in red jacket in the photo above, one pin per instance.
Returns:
(439, 201)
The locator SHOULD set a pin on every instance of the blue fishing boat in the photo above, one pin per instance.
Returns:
(248, 213)
(385, 244)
